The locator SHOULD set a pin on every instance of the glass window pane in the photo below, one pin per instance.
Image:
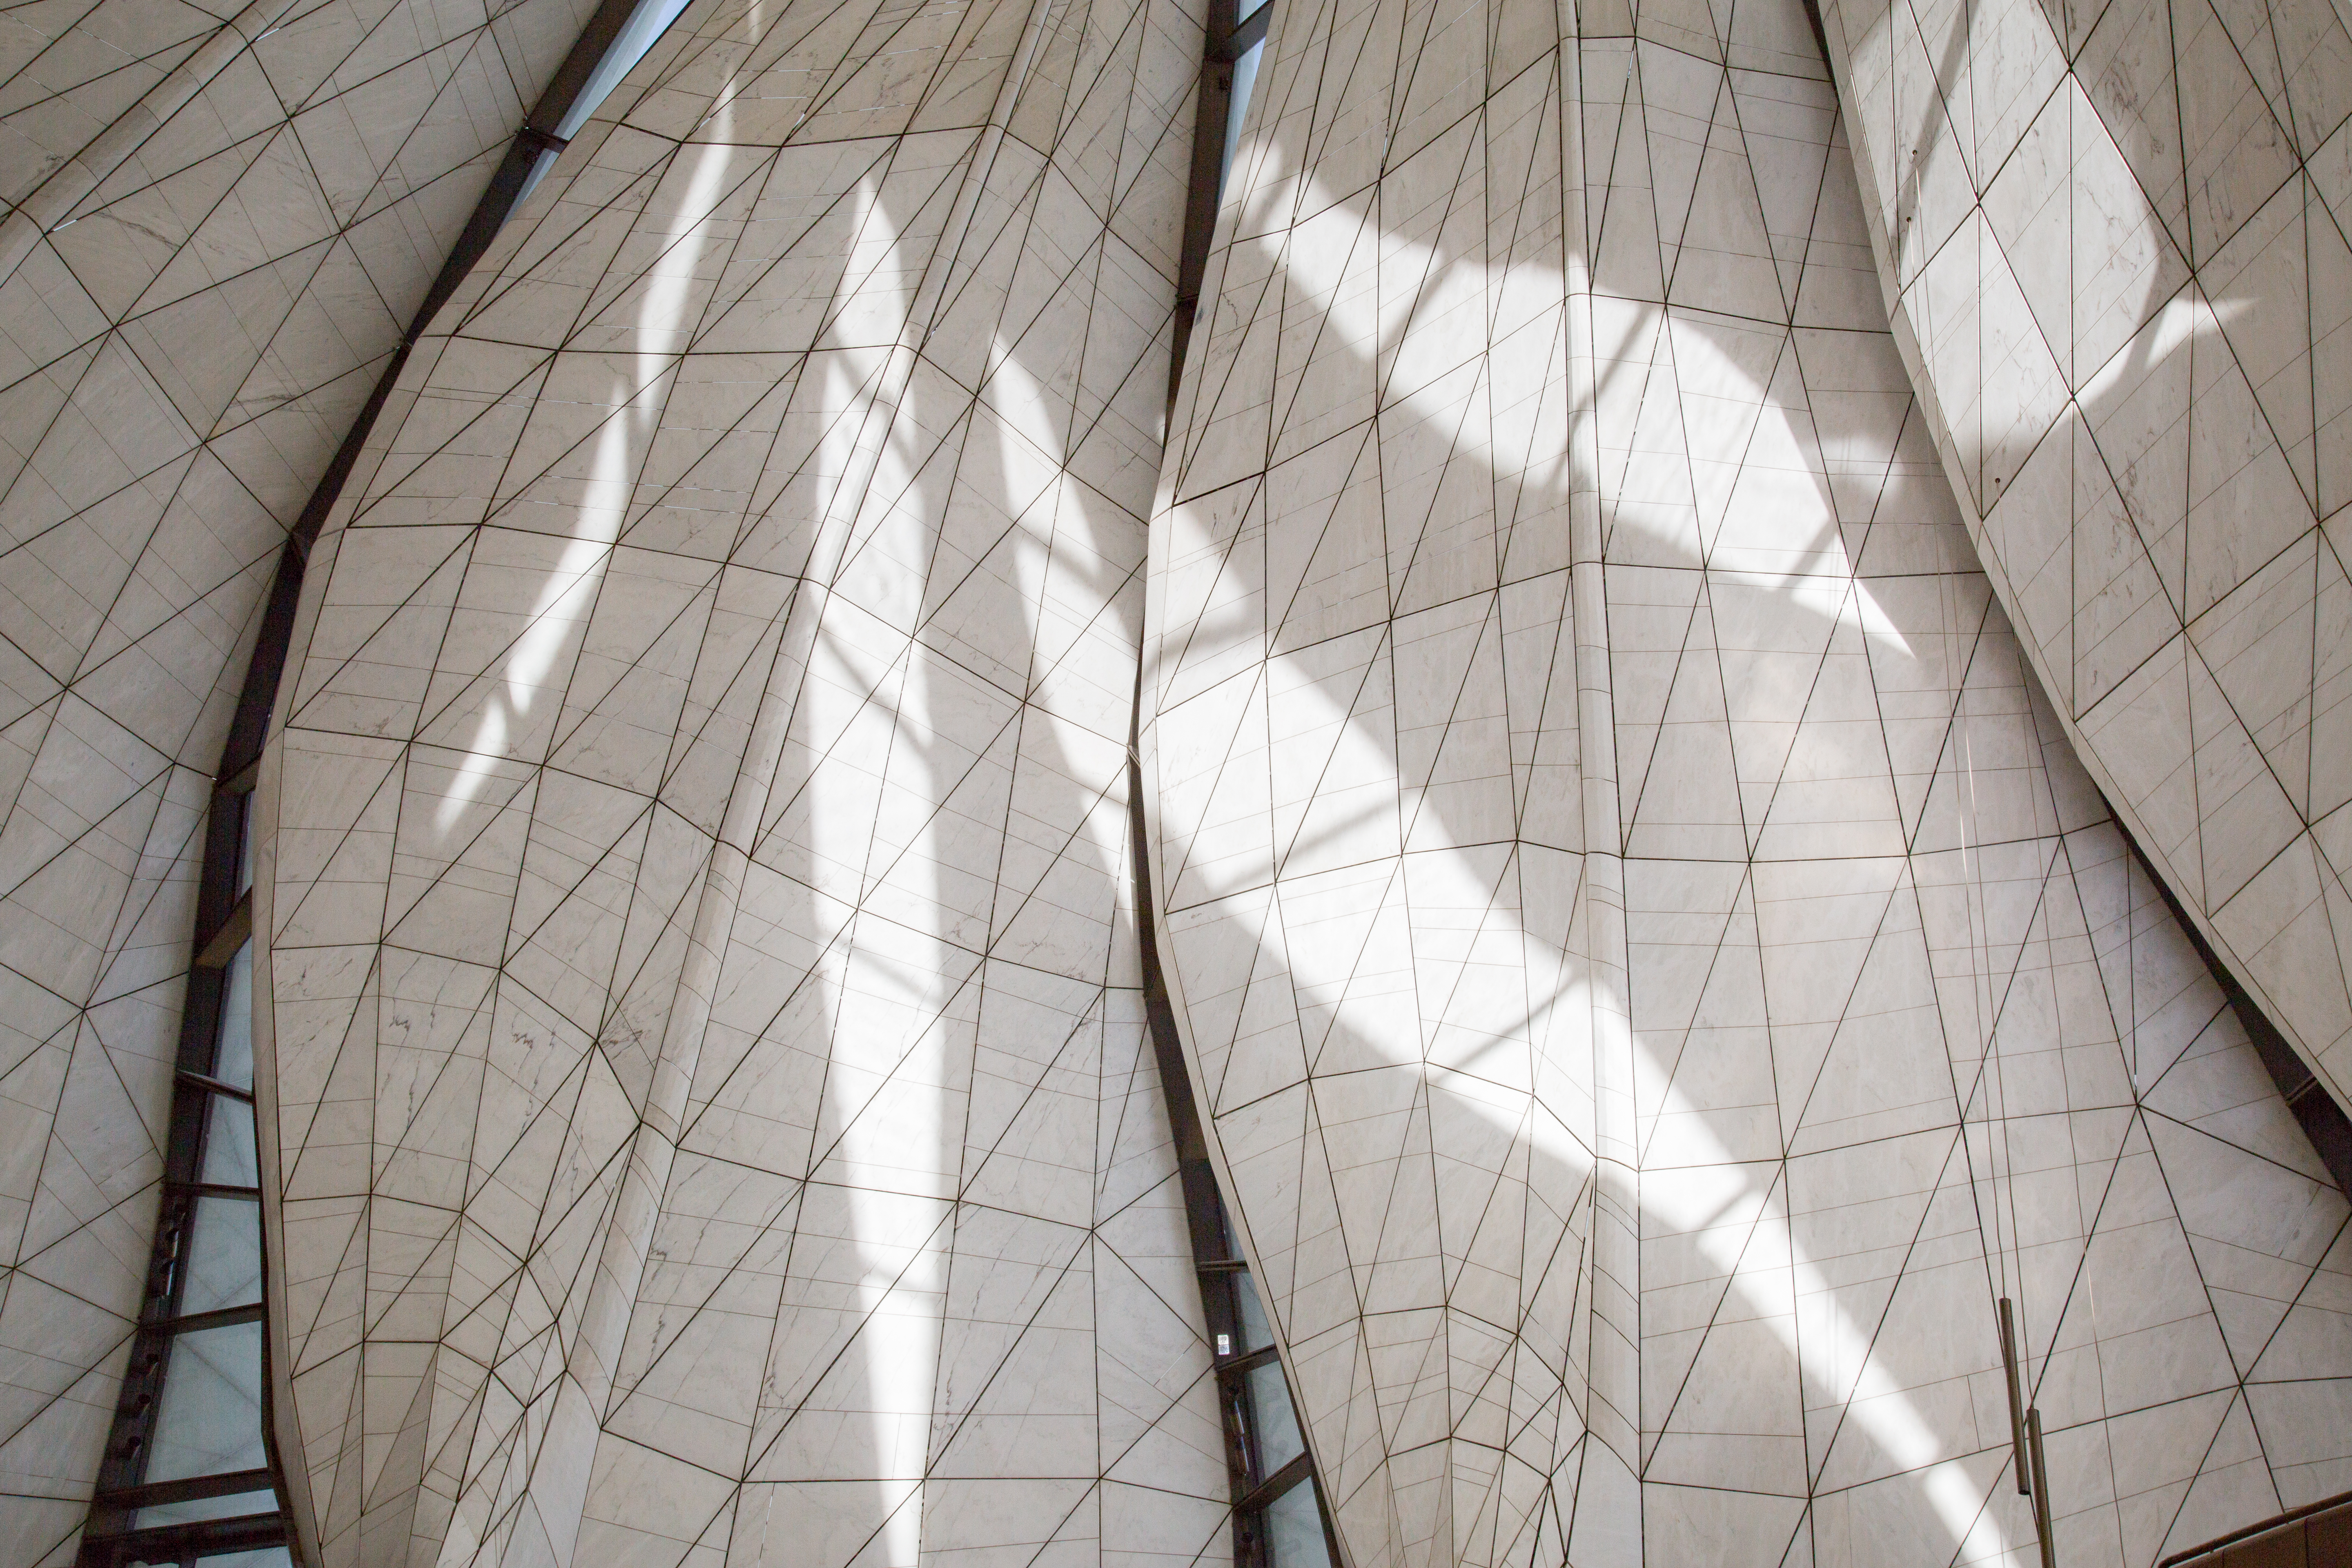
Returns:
(1293, 1530)
(233, 1056)
(1245, 10)
(646, 25)
(268, 1557)
(1279, 1441)
(210, 1419)
(234, 1505)
(1256, 1333)
(220, 1260)
(244, 842)
(229, 1157)
(1244, 78)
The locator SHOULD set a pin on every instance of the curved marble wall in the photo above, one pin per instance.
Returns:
(710, 1103)
(2115, 236)
(1655, 970)
(218, 224)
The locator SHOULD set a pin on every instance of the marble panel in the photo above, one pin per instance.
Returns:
(1695, 1099)
(713, 1109)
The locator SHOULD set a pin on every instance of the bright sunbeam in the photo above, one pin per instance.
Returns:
(884, 993)
(663, 326)
(1332, 257)
(1838, 1358)
(1327, 259)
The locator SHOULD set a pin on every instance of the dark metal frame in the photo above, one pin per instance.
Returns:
(224, 926)
(1217, 1260)
(224, 923)
(2322, 1119)
(1230, 36)
(2317, 1533)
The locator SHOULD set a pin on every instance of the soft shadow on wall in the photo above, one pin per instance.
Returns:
(730, 630)
(1718, 1199)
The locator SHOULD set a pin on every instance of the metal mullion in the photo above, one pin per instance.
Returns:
(215, 1086)
(1242, 1451)
(1250, 31)
(216, 950)
(213, 1190)
(183, 1543)
(224, 835)
(184, 1149)
(1248, 1360)
(1215, 1265)
(1301, 1468)
(1232, 1412)
(1250, 1516)
(1204, 1209)
(226, 1484)
(122, 1470)
(123, 1464)
(218, 1318)
(184, 1187)
(1201, 202)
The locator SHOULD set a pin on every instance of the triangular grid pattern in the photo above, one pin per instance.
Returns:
(714, 1118)
(1655, 965)
(219, 223)
(2115, 236)
(1655, 968)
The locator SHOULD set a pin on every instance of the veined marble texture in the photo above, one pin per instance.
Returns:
(710, 1105)
(1654, 966)
(218, 223)
(2117, 238)
(1654, 969)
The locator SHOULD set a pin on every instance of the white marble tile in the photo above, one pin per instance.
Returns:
(2163, 220)
(1855, 972)
(709, 750)
(1655, 965)
(210, 268)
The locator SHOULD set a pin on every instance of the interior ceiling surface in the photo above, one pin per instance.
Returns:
(2115, 233)
(1653, 963)
(218, 222)
(1655, 970)
(712, 1113)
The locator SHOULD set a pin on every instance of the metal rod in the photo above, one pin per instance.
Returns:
(2041, 1489)
(2016, 1396)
